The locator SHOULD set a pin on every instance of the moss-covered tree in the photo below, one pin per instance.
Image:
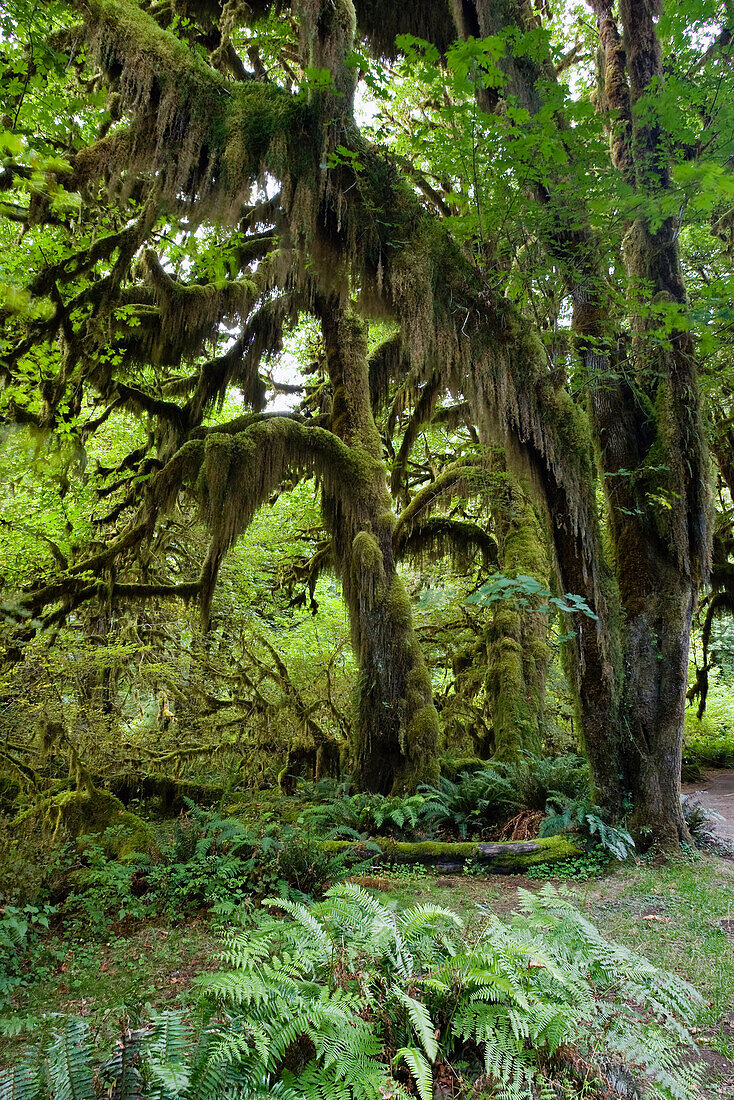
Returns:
(188, 133)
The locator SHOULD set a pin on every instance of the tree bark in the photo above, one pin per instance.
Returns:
(397, 724)
(517, 647)
(630, 672)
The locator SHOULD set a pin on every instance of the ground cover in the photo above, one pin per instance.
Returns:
(679, 914)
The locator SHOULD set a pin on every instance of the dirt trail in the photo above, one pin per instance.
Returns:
(715, 791)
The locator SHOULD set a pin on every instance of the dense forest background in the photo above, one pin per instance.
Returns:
(366, 507)
(366, 391)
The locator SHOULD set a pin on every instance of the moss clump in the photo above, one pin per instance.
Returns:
(89, 811)
(84, 812)
(366, 554)
(451, 767)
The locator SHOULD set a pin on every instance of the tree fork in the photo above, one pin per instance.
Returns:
(397, 726)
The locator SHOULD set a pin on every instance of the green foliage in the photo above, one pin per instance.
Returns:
(20, 930)
(366, 814)
(485, 797)
(527, 593)
(709, 741)
(350, 999)
(540, 779)
(593, 864)
(470, 803)
(102, 891)
(582, 818)
(206, 858)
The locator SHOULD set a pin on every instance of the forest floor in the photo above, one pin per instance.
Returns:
(679, 914)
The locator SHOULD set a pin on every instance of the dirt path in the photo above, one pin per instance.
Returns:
(715, 791)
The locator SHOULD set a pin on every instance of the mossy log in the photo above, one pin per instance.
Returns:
(505, 858)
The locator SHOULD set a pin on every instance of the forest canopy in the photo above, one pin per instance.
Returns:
(365, 394)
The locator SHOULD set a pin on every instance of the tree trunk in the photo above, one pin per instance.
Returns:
(397, 724)
(629, 669)
(656, 659)
(517, 638)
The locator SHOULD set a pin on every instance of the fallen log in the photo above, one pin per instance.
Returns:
(509, 857)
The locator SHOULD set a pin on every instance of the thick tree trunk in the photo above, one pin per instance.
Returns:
(656, 659)
(517, 657)
(397, 723)
(630, 668)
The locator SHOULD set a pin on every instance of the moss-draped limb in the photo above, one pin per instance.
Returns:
(456, 479)
(426, 403)
(234, 472)
(442, 536)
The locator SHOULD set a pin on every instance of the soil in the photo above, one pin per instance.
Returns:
(715, 791)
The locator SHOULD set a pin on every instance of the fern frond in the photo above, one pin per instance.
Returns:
(420, 1069)
(70, 1061)
(307, 920)
(422, 1024)
(20, 1082)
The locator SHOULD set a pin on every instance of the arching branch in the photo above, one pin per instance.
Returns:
(441, 536)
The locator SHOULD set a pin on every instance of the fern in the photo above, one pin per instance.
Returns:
(20, 1082)
(332, 1000)
(422, 1024)
(419, 1068)
(70, 1063)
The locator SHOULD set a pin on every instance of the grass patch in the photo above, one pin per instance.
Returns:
(152, 963)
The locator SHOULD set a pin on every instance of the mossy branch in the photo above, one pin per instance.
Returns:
(445, 537)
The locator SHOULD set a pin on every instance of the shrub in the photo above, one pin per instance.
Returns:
(350, 1000)
(208, 858)
(365, 814)
(472, 802)
(478, 799)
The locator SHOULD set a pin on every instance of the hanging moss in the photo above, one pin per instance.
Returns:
(186, 316)
(382, 23)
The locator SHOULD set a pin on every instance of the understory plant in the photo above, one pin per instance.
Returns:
(469, 803)
(366, 814)
(351, 1000)
(21, 927)
(582, 818)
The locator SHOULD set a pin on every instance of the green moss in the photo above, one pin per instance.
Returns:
(124, 19)
(86, 812)
(258, 114)
(517, 652)
(366, 554)
(452, 767)
(510, 857)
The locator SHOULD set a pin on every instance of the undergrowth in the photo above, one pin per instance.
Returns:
(348, 999)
